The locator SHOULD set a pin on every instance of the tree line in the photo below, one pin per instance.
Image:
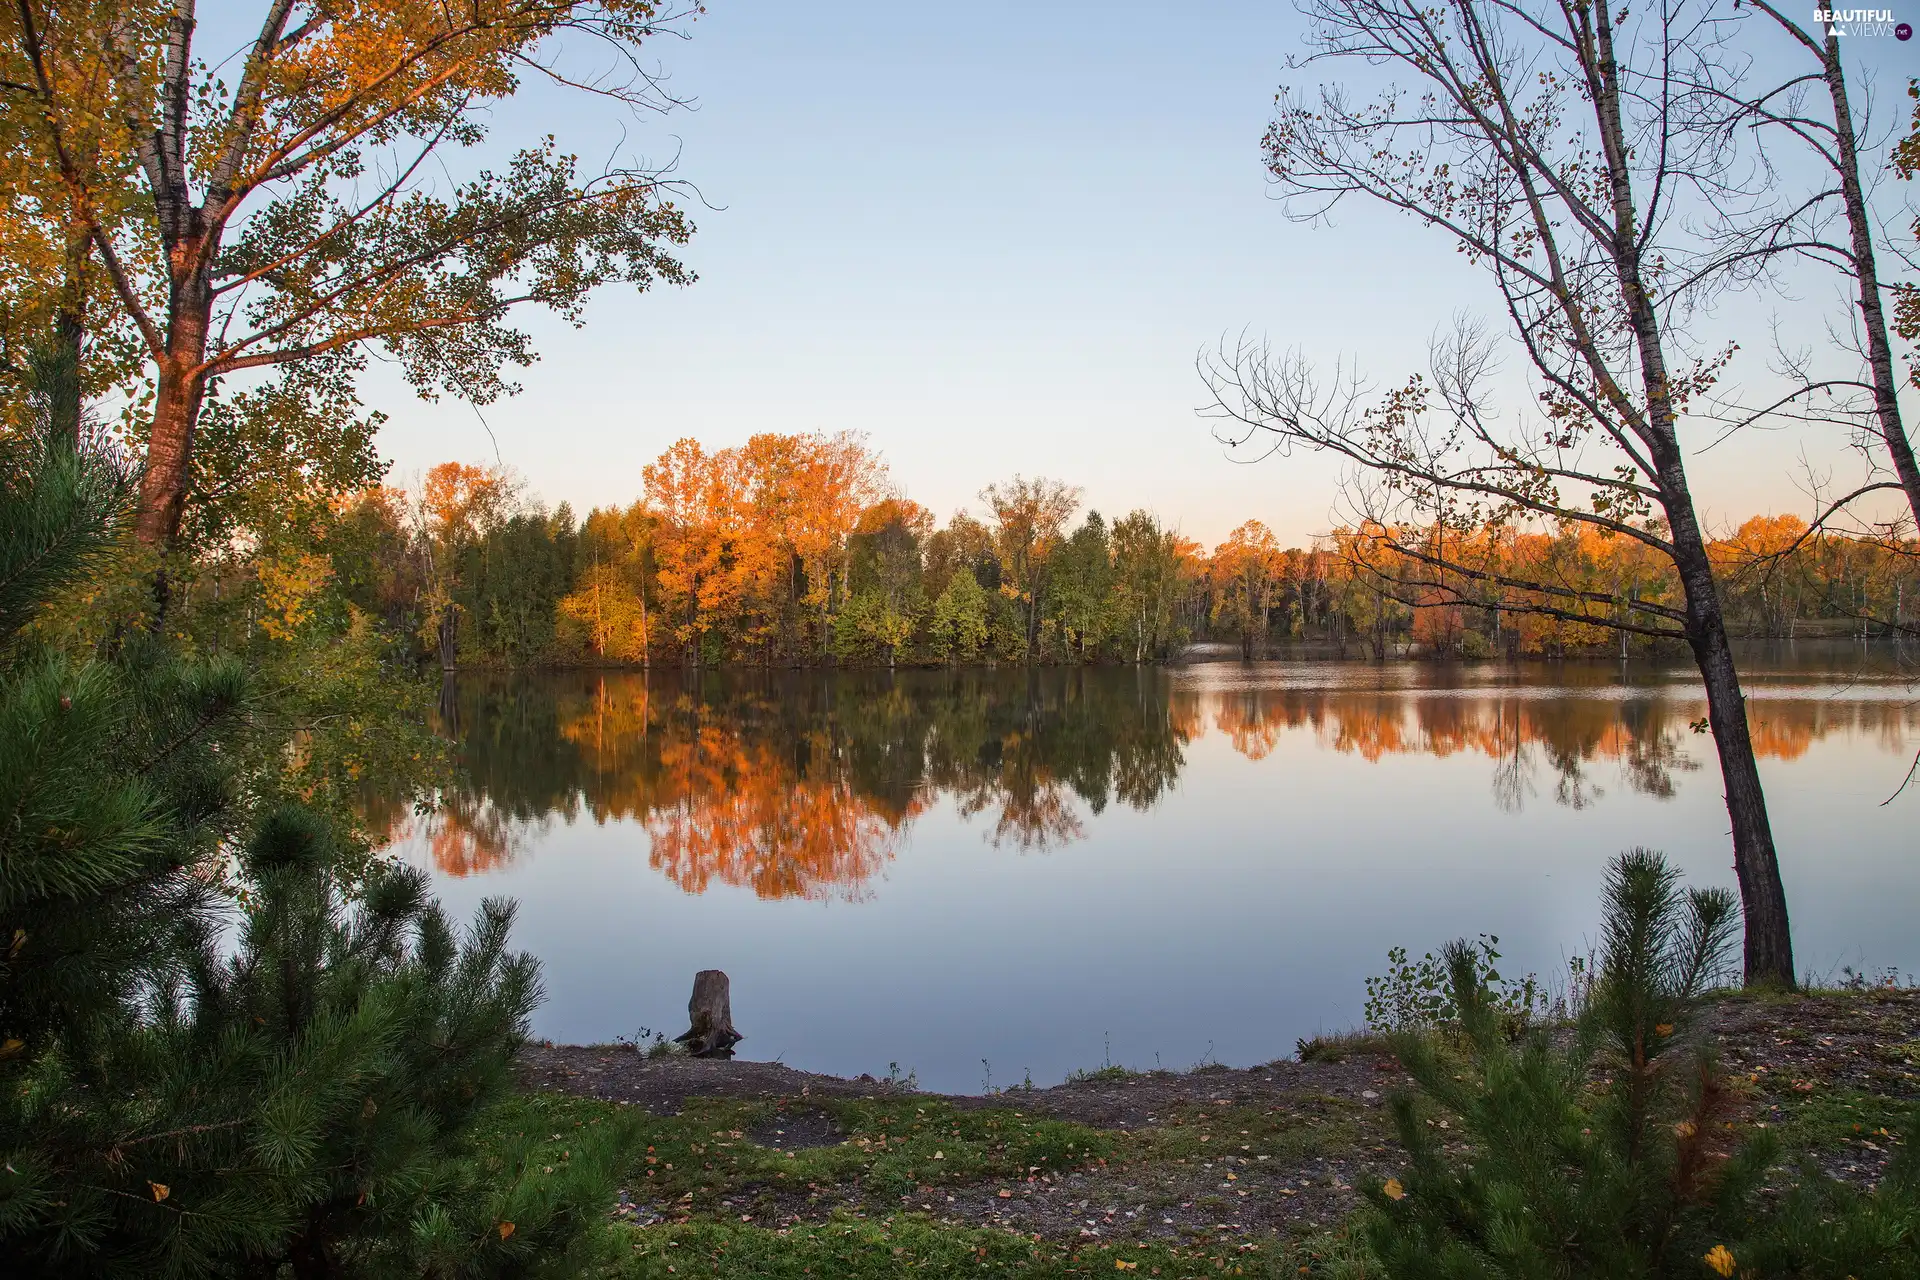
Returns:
(793, 550)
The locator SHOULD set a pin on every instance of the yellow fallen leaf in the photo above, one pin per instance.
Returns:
(11, 1047)
(160, 1191)
(1684, 1129)
(1720, 1258)
(1664, 1029)
(1394, 1190)
(505, 1229)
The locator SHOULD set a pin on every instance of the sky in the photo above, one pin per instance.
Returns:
(993, 238)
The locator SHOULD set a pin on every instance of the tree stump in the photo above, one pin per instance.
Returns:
(710, 1012)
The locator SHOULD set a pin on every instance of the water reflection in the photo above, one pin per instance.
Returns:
(1525, 737)
(805, 786)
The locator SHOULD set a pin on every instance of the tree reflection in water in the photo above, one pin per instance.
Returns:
(805, 785)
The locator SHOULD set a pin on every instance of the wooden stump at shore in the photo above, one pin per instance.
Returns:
(710, 1012)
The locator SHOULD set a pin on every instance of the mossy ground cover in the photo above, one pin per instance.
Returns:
(1836, 1073)
(722, 1151)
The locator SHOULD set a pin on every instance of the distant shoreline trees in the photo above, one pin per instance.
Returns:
(794, 550)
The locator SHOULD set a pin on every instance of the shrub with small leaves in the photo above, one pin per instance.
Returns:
(1416, 995)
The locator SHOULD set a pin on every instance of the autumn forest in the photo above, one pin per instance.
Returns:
(794, 550)
(366, 821)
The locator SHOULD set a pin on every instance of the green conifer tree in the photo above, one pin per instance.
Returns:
(116, 785)
(1611, 1150)
(216, 1065)
(333, 1078)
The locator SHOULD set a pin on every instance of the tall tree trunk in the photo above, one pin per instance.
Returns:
(1763, 897)
(1768, 939)
(64, 396)
(176, 412)
(1033, 624)
(1866, 272)
(448, 636)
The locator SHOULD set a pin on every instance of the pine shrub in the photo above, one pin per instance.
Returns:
(334, 1076)
(224, 1057)
(1609, 1148)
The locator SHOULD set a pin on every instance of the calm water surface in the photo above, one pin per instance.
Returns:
(985, 875)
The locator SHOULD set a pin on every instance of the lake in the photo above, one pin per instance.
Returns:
(987, 876)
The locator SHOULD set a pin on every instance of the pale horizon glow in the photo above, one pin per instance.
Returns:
(995, 248)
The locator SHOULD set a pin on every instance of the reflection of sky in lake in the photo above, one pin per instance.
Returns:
(939, 868)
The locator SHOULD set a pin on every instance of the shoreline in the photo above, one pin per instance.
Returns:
(1201, 653)
(1241, 1156)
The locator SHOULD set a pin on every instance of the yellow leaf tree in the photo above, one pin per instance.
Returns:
(298, 203)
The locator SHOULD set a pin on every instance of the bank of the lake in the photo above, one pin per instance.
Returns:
(755, 1169)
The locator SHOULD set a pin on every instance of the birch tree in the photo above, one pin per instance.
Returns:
(1557, 144)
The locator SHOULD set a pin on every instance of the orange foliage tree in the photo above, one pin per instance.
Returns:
(458, 503)
(1244, 578)
(287, 207)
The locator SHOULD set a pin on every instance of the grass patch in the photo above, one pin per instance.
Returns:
(1302, 1128)
(1108, 1072)
(1339, 1046)
(1834, 1119)
(903, 1245)
(560, 1127)
(892, 1147)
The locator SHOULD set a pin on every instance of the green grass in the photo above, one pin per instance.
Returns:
(912, 1245)
(1110, 1072)
(1831, 1119)
(700, 1168)
(688, 1164)
(1340, 1045)
(892, 1147)
(1304, 1128)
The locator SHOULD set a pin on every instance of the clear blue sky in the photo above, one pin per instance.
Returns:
(992, 237)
